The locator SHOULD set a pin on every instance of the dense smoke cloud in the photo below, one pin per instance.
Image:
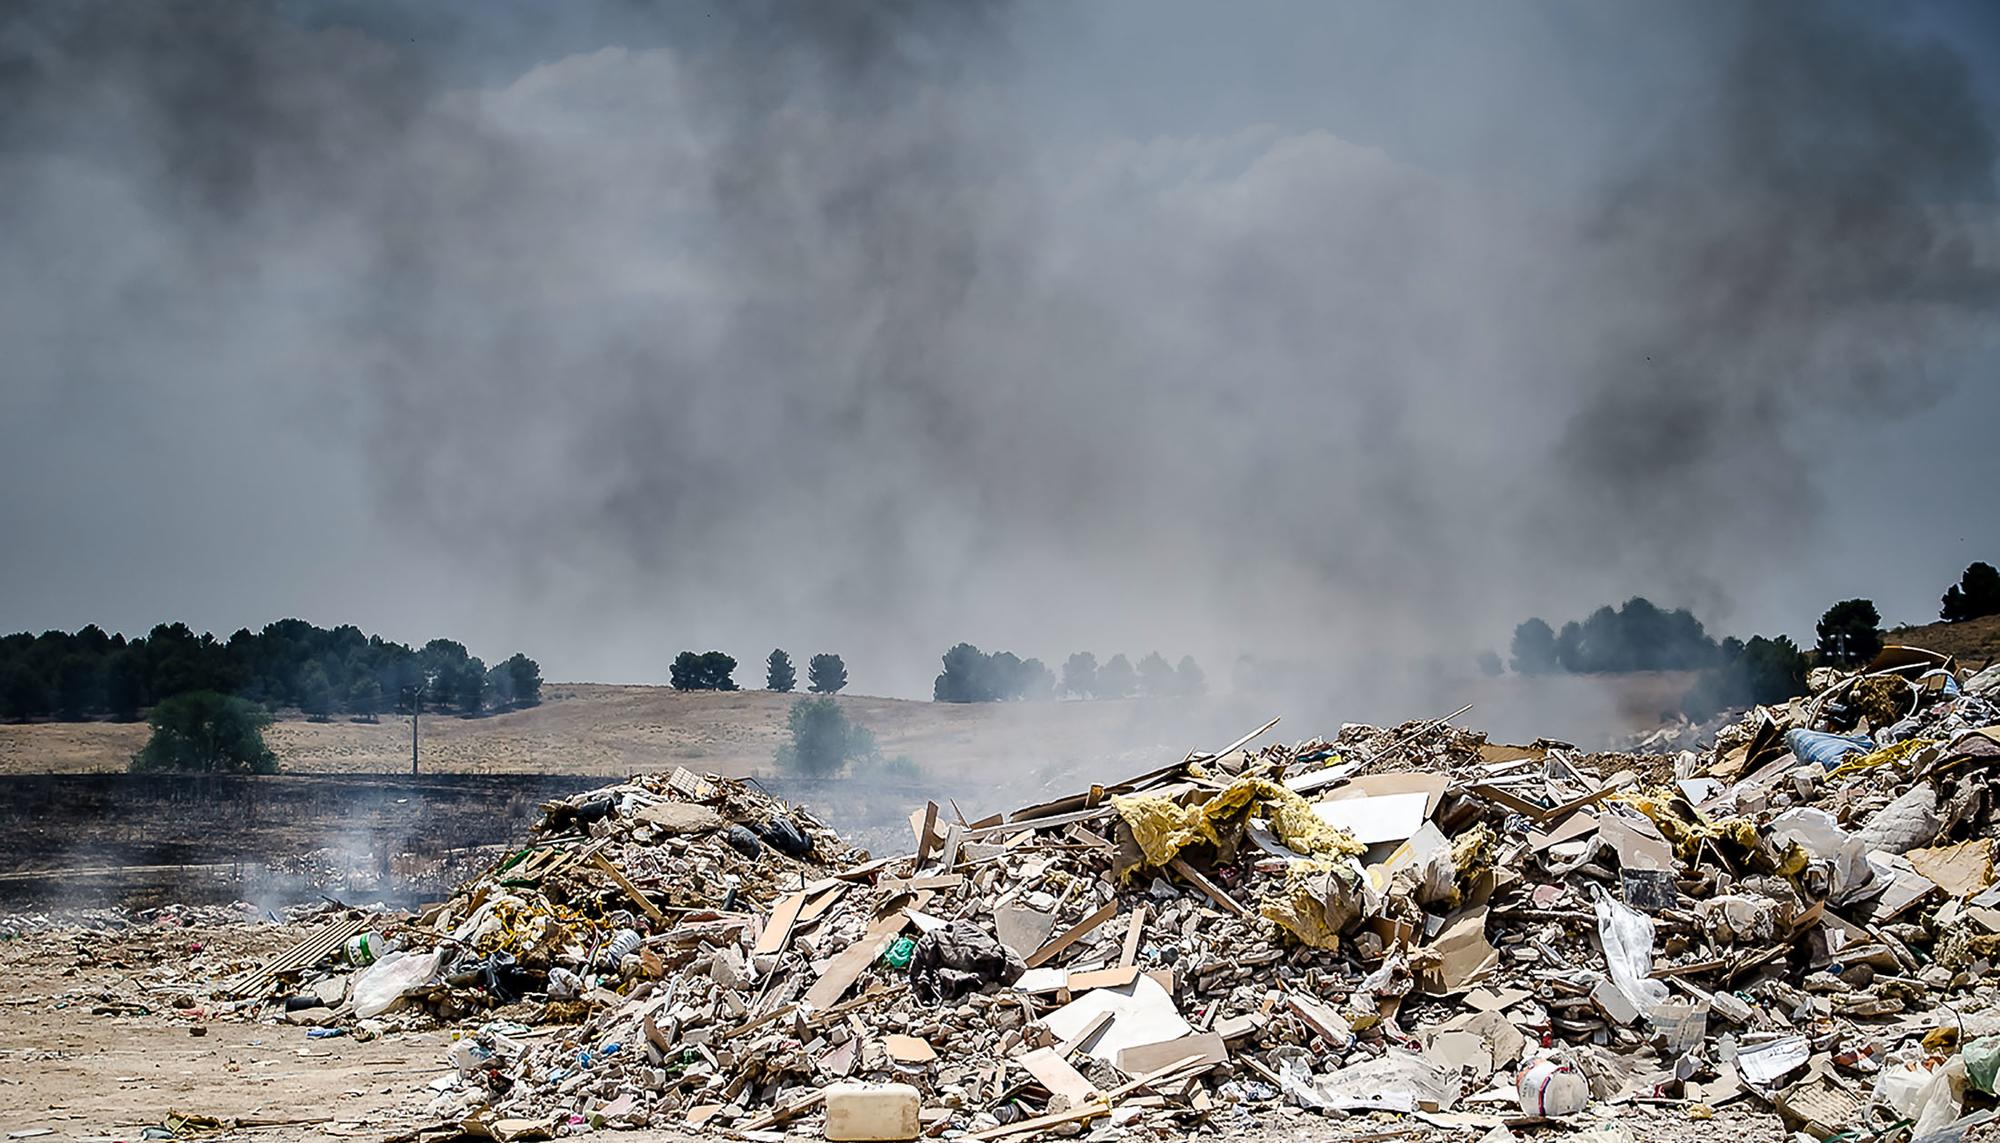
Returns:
(788, 326)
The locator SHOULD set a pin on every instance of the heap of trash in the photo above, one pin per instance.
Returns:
(1413, 921)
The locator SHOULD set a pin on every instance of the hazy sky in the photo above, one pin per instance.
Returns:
(1320, 331)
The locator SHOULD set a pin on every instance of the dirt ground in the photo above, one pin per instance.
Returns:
(79, 1061)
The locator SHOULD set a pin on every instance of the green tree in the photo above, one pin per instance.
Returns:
(525, 676)
(822, 739)
(471, 687)
(967, 676)
(23, 695)
(1765, 671)
(778, 673)
(1191, 680)
(1116, 679)
(208, 733)
(708, 671)
(1033, 681)
(1079, 675)
(1489, 664)
(1156, 676)
(1977, 593)
(125, 684)
(1534, 648)
(315, 693)
(364, 698)
(1850, 632)
(826, 674)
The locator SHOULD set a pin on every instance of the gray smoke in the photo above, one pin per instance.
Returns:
(787, 324)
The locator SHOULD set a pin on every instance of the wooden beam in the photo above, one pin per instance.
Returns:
(630, 889)
(1048, 952)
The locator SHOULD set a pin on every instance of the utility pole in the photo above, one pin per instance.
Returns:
(416, 707)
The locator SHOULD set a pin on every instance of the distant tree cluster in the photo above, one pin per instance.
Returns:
(290, 663)
(1976, 593)
(714, 671)
(1759, 672)
(702, 671)
(972, 675)
(1637, 636)
(1082, 677)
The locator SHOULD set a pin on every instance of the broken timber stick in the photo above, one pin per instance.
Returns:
(1049, 951)
(1214, 891)
(631, 890)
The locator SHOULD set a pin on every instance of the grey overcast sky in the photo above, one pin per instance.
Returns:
(1325, 332)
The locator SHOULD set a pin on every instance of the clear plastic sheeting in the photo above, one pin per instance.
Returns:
(1627, 936)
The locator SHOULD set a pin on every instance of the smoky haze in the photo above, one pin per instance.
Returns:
(605, 331)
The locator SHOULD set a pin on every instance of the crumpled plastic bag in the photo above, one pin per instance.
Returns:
(1852, 877)
(959, 958)
(1941, 1099)
(1163, 827)
(1982, 1062)
(1627, 936)
(1394, 1081)
(1316, 902)
(1739, 918)
(381, 985)
(1904, 824)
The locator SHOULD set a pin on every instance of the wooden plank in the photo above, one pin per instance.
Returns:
(892, 886)
(1054, 1072)
(1082, 928)
(818, 905)
(1244, 741)
(1129, 955)
(1191, 1064)
(1050, 822)
(630, 889)
(1214, 891)
(1206, 1047)
(1084, 1035)
(779, 1115)
(853, 961)
(778, 930)
(758, 1022)
(926, 834)
(954, 835)
(1103, 978)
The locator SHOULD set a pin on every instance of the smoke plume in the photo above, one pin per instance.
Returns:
(790, 324)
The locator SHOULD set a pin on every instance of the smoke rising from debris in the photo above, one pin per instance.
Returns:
(787, 324)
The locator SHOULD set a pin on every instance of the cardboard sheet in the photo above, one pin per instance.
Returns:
(1141, 1013)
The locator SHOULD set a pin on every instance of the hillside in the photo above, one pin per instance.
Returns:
(600, 729)
(1974, 642)
(588, 728)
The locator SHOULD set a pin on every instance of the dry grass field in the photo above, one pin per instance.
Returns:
(600, 729)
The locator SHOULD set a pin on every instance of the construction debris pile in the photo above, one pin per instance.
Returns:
(1410, 921)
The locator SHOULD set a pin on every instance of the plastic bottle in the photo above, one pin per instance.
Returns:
(623, 943)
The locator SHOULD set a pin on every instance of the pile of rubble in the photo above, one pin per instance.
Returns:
(1410, 921)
